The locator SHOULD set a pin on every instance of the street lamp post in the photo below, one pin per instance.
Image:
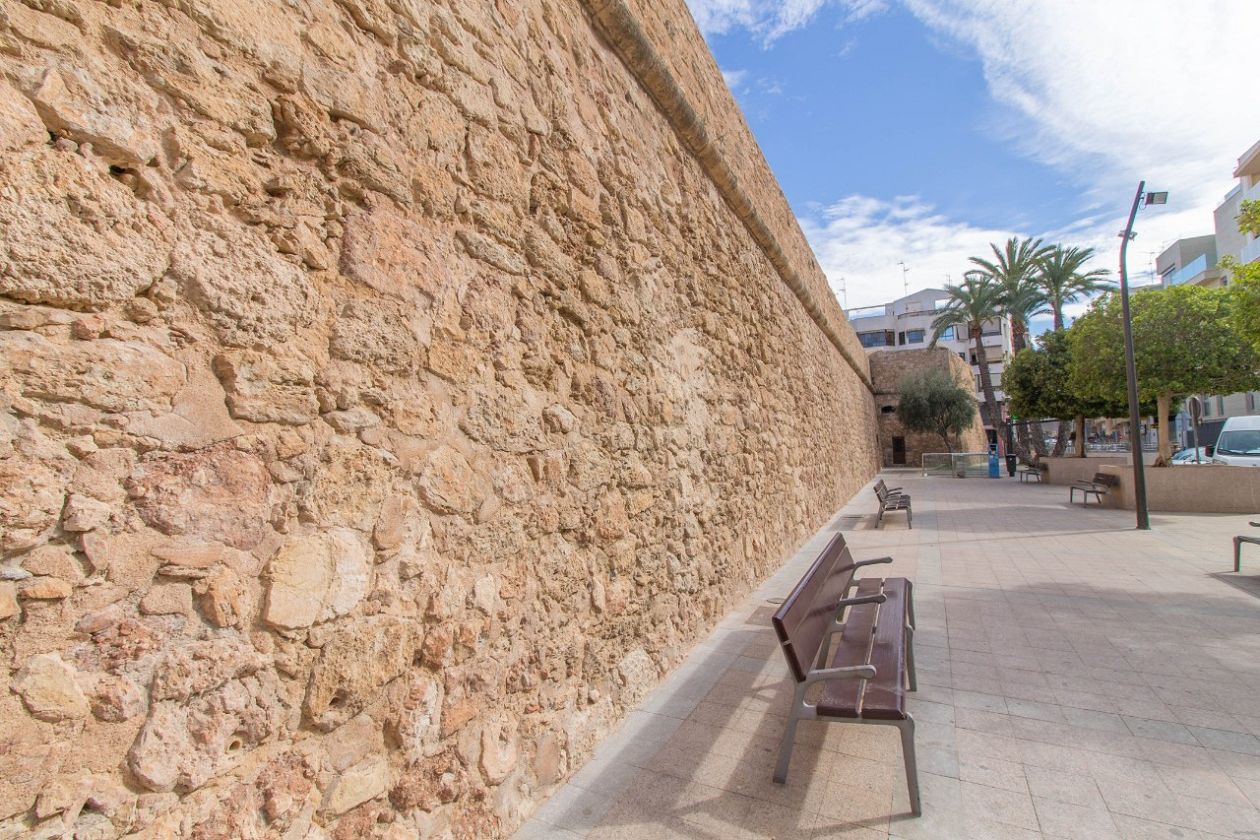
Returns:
(1130, 365)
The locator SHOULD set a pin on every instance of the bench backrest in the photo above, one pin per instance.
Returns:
(804, 619)
(1106, 479)
(881, 490)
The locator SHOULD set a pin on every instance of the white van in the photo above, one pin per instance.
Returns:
(1239, 442)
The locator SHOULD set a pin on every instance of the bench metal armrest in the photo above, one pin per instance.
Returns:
(860, 672)
(863, 599)
(1254, 524)
(859, 564)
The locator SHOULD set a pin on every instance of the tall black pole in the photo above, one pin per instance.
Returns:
(1130, 366)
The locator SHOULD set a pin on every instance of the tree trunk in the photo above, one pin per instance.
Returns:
(1061, 439)
(1163, 404)
(1037, 435)
(992, 415)
(1080, 436)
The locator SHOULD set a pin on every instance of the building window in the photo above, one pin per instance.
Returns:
(1251, 401)
(1220, 405)
(914, 336)
(879, 338)
(901, 338)
(947, 334)
(1207, 407)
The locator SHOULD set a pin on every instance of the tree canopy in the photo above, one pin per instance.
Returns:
(932, 402)
(1185, 342)
(1038, 384)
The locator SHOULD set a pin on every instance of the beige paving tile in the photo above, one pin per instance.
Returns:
(1078, 679)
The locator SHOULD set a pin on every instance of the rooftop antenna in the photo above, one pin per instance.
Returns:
(904, 279)
(844, 295)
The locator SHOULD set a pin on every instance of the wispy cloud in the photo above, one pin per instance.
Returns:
(734, 79)
(860, 240)
(772, 19)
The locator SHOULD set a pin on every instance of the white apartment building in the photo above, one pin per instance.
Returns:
(906, 324)
(1196, 260)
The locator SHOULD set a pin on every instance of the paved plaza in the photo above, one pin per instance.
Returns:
(1077, 679)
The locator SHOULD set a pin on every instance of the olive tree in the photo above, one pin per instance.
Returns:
(932, 402)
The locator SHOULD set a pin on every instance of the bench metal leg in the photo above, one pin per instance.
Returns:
(1237, 554)
(912, 769)
(789, 736)
(914, 683)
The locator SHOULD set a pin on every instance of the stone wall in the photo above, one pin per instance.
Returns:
(888, 369)
(390, 392)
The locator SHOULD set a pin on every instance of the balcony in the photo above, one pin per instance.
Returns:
(1189, 272)
(866, 312)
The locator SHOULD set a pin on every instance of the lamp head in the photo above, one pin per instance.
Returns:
(1156, 198)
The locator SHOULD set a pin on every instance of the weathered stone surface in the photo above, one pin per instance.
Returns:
(354, 666)
(109, 375)
(216, 494)
(252, 296)
(447, 484)
(48, 688)
(357, 785)
(387, 398)
(317, 578)
(78, 239)
(268, 388)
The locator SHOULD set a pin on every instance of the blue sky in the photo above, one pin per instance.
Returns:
(921, 130)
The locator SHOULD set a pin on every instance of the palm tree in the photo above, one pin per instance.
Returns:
(972, 303)
(1015, 270)
(1063, 282)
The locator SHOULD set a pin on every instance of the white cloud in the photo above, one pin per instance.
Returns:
(859, 241)
(1109, 93)
(771, 19)
(734, 78)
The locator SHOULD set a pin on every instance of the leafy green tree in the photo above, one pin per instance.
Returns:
(1244, 291)
(1038, 385)
(1063, 280)
(972, 303)
(931, 401)
(1249, 217)
(1184, 343)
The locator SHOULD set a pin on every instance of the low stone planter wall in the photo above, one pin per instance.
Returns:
(1067, 470)
(1210, 489)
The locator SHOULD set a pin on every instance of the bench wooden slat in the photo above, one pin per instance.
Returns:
(874, 634)
(806, 614)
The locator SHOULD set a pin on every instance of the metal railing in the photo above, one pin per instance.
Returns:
(956, 464)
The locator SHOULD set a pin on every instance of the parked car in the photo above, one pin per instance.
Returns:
(1186, 456)
(1239, 442)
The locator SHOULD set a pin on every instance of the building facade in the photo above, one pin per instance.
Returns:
(898, 445)
(905, 324)
(1196, 260)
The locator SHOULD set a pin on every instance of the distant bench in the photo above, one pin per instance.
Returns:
(1031, 471)
(892, 500)
(1099, 486)
(862, 675)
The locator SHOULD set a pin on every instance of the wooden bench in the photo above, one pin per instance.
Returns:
(1238, 544)
(1030, 471)
(856, 638)
(892, 500)
(1098, 487)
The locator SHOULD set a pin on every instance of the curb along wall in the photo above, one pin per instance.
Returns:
(390, 392)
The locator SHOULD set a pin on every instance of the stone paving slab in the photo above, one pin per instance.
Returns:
(1078, 679)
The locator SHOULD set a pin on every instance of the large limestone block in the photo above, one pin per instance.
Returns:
(317, 577)
(253, 296)
(20, 126)
(110, 375)
(360, 783)
(186, 742)
(354, 667)
(271, 387)
(72, 236)
(73, 103)
(216, 494)
(48, 688)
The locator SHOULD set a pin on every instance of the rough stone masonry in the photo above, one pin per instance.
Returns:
(390, 392)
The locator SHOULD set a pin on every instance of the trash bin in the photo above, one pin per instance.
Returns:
(993, 465)
(1011, 463)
